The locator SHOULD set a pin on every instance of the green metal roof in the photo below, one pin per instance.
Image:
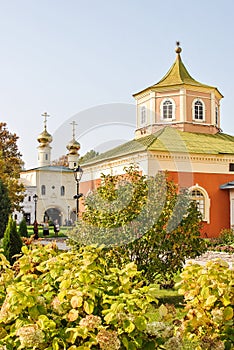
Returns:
(169, 139)
(178, 75)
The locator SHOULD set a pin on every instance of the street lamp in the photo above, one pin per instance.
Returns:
(35, 198)
(68, 215)
(78, 172)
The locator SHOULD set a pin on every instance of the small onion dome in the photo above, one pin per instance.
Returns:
(44, 137)
(73, 147)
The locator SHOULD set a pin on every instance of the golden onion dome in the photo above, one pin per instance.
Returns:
(44, 137)
(73, 146)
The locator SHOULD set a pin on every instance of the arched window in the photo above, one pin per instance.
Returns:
(143, 115)
(198, 110)
(167, 109)
(29, 198)
(200, 196)
(43, 190)
(216, 115)
(62, 190)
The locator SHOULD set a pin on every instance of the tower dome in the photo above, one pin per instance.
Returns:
(44, 138)
(73, 148)
(44, 148)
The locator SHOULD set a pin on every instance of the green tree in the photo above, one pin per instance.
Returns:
(23, 229)
(88, 156)
(12, 242)
(146, 219)
(4, 208)
(10, 166)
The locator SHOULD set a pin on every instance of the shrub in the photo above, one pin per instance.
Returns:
(12, 242)
(4, 208)
(75, 300)
(146, 219)
(23, 229)
(209, 294)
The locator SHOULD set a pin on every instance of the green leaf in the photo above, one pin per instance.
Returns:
(210, 300)
(228, 313)
(128, 326)
(88, 306)
(140, 323)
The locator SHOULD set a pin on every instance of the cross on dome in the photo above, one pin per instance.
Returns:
(45, 115)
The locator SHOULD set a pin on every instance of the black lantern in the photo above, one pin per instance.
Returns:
(35, 198)
(78, 172)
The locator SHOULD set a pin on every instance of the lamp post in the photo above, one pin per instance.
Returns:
(35, 198)
(78, 172)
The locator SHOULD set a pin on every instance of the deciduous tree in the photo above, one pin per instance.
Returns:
(10, 166)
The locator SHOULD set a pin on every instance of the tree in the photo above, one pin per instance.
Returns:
(10, 166)
(146, 218)
(23, 230)
(88, 156)
(12, 242)
(62, 161)
(4, 208)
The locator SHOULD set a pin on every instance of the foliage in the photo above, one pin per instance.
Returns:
(12, 242)
(62, 161)
(4, 208)
(11, 165)
(88, 156)
(74, 300)
(209, 295)
(145, 218)
(224, 242)
(23, 229)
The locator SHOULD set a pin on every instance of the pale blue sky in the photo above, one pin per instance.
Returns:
(65, 56)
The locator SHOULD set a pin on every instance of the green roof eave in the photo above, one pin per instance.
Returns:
(171, 140)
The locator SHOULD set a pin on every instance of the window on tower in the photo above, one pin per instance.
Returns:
(168, 109)
(216, 115)
(143, 115)
(43, 190)
(198, 110)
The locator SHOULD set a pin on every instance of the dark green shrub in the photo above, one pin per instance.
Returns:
(4, 208)
(12, 242)
(23, 229)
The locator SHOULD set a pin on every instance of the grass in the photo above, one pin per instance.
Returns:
(62, 233)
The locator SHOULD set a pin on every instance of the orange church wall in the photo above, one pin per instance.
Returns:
(219, 199)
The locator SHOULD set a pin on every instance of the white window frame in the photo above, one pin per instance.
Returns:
(162, 109)
(143, 115)
(206, 211)
(203, 110)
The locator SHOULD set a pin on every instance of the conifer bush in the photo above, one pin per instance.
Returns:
(4, 208)
(12, 242)
(23, 229)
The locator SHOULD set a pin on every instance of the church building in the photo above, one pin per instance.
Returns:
(178, 130)
(50, 189)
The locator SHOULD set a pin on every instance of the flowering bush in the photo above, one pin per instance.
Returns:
(73, 300)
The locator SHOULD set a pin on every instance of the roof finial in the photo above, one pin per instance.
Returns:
(45, 115)
(178, 48)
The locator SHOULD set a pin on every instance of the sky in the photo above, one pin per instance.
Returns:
(83, 61)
